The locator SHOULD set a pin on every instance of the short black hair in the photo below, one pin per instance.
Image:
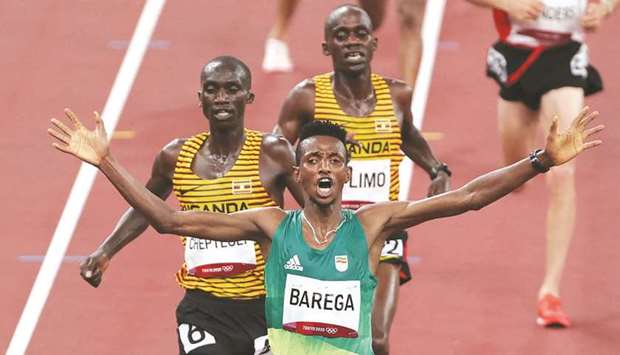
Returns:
(321, 128)
(233, 63)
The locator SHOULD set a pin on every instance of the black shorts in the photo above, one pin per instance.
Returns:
(395, 251)
(525, 75)
(211, 325)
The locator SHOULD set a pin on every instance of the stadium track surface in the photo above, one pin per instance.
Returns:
(476, 276)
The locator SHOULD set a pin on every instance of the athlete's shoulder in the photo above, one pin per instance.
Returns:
(397, 85)
(304, 87)
(401, 92)
(300, 100)
(170, 151)
(168, 155)
(277, 148)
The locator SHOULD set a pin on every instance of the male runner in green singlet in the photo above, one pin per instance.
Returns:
(376, 111)
(319, 277)
(229, 168)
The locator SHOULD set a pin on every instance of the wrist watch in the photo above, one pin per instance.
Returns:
(536, 163)
(441, 167)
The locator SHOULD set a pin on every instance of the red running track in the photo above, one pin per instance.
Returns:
(477, 276)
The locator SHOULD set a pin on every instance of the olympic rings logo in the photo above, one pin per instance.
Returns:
(331, 330)
(227, 268)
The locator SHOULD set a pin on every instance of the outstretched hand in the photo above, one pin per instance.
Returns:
(562, 147)
(86, 145)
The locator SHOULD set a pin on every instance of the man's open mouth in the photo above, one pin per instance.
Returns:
(222, 113)
(325, 186)
(354, 56)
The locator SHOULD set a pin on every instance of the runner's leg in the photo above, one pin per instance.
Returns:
(566, 103)
(411, 16)
(384, 308)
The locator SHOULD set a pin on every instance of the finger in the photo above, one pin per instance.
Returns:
(98, 120)
(588, 132)
(58, 135)
(96, 281)
(553, 130)
(73, 117)
(583, 113)
(61, 126)
(592, 144)
(589, 118)
(62, 148)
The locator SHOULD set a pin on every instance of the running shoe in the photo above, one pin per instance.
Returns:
(276, 57)
(550, 313)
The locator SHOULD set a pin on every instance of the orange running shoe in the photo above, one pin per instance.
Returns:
(550, 313)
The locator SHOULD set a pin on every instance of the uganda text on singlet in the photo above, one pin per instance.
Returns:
(376, 159)
(232, 270)
(319, 301)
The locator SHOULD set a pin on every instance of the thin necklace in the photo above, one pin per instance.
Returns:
(316, 239)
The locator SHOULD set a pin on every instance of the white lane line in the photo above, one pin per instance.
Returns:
(433, 17)
(84, 181)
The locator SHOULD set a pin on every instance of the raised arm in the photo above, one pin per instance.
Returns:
(92, 147)
(490, 187)
(415, 146)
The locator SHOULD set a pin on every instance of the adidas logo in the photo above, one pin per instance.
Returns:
(294, 264)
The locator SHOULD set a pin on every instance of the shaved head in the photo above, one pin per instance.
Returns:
(228, 63)
(343, 10)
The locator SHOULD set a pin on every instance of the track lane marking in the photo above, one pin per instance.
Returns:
(84, 181)
(431, 27)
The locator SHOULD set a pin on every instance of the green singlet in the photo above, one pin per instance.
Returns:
(319, 301)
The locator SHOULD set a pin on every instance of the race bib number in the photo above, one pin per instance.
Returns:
(210, 258)
(326, 308)
(370, 182)
(560, 16)
(193, 337)
(392, 249)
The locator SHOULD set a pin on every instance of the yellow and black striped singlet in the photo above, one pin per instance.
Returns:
(240, 188)
(378, 134)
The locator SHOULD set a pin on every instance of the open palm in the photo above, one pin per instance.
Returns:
(89, 146)
(562, 147)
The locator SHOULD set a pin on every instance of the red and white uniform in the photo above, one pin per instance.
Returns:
(558, 23)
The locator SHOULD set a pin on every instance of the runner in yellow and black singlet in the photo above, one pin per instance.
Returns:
(228, 169)
(376, 113)
(226, 270)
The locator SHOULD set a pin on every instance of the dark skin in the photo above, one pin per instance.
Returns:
(349, 30)
(321, 157)
(223, 96)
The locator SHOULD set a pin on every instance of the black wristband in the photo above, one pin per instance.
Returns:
(442, 167)
(536, 163)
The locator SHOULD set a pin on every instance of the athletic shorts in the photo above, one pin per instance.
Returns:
(525, 74)
(211, 325)
(395, 251)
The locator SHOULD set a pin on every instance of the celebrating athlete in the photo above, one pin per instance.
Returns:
(376, 112)
(320, 259)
